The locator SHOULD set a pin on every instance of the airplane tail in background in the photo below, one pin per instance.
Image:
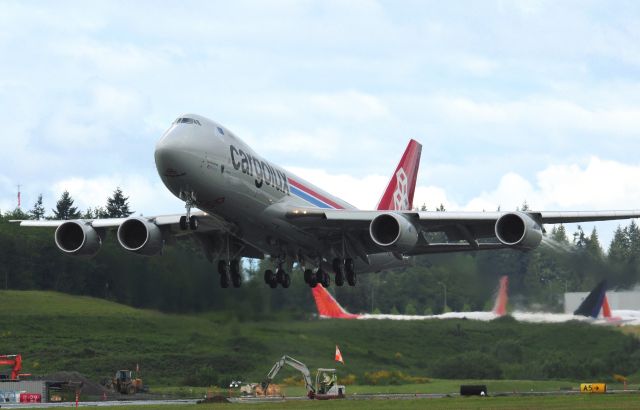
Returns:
(402, 186)
(592, 304)
(328, 307)
(500, 307)
(606, 309)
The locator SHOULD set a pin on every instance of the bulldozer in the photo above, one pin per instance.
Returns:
(126, 382)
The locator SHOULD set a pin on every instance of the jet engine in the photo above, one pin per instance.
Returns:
(393, 231)
(77, 238)
(518, 230)
(140, 236)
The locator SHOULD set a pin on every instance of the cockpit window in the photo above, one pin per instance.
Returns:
(186, 120)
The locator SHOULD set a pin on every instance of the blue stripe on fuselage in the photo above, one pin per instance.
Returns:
(308, 198)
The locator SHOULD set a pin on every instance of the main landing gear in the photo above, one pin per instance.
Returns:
(279, 277)
(230, 273)
(343, 269)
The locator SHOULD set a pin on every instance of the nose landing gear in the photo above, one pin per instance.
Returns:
(189, 221)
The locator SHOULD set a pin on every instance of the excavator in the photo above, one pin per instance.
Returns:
(326, 386)
(15, 361)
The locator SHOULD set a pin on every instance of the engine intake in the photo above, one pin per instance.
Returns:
(77, 238)
(140, 236)
(519, 230)
(393, 231)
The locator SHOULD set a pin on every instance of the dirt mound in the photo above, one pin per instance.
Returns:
(214, 399)
(86, 386)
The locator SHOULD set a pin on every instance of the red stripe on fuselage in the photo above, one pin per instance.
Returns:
(315, 194)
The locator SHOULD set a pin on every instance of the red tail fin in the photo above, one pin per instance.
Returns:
(399, 192)
(606, 309)
(328, 307)
(500, 307)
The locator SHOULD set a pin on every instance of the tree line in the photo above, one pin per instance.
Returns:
(182, 280)
(117, 206)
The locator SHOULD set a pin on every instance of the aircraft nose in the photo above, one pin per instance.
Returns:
(171, 152)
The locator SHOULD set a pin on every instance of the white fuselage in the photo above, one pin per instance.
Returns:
(225, 177)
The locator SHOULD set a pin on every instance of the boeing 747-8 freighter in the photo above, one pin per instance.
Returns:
(240, 205)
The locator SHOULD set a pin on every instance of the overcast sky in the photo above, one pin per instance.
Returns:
(512, 101)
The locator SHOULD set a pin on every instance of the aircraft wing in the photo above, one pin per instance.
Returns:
(206, 221)
(464, 230)
(209, 233)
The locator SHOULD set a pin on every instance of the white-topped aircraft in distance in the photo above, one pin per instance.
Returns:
(249, 207)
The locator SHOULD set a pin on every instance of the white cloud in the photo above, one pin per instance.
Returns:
(352, 105)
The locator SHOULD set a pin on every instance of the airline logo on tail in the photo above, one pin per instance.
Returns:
(399, 193)
(328, 307)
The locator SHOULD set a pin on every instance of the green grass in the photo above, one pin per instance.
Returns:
(61, 332)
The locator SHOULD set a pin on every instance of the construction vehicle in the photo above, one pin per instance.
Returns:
(326, 386)
(126, 382)
(15, 361)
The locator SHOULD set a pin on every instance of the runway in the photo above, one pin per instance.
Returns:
(97, 403)
(280, 399)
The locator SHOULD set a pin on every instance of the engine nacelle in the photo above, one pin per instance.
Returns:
(517, 229)
(77, 238)
(140, 236)
(393, 231)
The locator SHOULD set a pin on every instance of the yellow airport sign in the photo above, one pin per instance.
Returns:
(593, 388)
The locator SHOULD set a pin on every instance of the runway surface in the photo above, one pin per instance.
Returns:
(249, 400)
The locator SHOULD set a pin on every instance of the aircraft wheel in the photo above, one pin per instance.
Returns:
(183, 223)
(193, 222)
(313, 282)
(326, 280)
(351, 278)
(273, 284)
(348, 265)
(337, 269)
(269, 277)
(287, 281)
(222, 267)
(236, 276)
(350, 272)
(236, 280)
(308, 275)
(224, 280)
(280, 274)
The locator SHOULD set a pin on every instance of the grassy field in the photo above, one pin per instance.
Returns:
(60, 332)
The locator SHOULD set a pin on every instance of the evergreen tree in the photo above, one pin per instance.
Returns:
(37, 212)
(559, 234)
(118, 205)
(633, 238)
(16, 214)
(593, 245)
(619, 247)
(64, 208)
